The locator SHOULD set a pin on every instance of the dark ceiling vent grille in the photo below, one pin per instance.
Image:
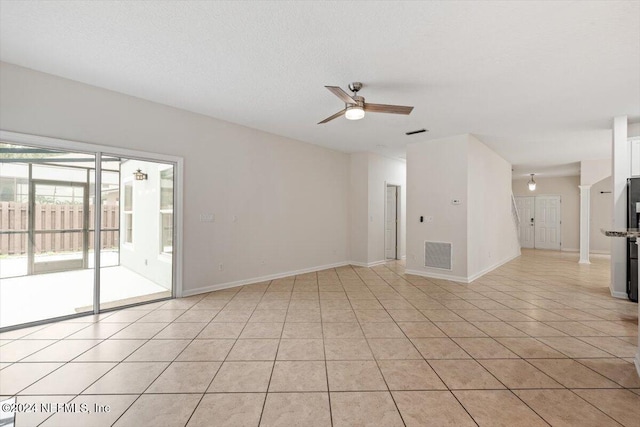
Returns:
(413, 132)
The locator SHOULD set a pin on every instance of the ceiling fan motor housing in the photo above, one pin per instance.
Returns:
(359, 102)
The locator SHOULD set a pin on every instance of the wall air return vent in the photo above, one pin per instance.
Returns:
(437, 255)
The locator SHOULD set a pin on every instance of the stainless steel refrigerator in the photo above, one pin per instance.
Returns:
(633, 221)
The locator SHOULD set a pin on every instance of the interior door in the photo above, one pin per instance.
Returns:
(547, 222)
(59, 217)
(526, 230)
(391, 223)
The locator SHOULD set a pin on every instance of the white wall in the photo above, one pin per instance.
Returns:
(290, 198)
(383, 171)
(592, 171)
(481, 228)
(491, 231)
(567, 188)
(437, 173)
(359, 208)
(600, 211)
(143, 255)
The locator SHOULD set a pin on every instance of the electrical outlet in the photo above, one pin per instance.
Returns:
(456, 201)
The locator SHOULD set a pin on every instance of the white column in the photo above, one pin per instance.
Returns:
(585, 220)
(620, 171)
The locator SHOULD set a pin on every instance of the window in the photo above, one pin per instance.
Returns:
(128, 212)
(166, 211)
(14, 190)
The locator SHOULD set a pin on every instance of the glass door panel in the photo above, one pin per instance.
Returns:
(44, 234)
(137, 225)
(14, 219)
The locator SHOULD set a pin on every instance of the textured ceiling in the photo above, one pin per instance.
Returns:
(539, 82)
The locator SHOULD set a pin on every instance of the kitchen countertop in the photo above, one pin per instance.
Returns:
(629, 232)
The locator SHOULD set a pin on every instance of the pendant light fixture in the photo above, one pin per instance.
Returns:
(532, 183)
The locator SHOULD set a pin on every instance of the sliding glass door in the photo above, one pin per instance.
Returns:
(50, 204)
(143, 201)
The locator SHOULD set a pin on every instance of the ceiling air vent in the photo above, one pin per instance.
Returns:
(413, 132)
(437, 255)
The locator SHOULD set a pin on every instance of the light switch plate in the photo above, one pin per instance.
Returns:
(207, 217)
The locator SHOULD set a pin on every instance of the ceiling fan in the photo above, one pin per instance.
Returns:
(355, 106)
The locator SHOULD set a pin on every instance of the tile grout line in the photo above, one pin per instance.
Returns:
(423, 358)
(374, 355)
(204, 393)
(324, 351)
(564, 387)
(275, 357)
(166, 367)
(491, 373)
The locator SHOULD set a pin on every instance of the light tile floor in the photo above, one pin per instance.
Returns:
(539, 341)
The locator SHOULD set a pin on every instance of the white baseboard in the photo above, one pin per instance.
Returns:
(616, 294)
(374, 263)
(492, 267)
(461, 279)
(220, 286)
(358, 263)
(435, 275)
(570, 250)
(367, 264)
(403, 257)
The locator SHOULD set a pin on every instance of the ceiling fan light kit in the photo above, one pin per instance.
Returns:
(355, 106)
(354, 112)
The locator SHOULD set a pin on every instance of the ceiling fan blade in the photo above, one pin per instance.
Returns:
(337, 91)
(335, 116)
(384, 108)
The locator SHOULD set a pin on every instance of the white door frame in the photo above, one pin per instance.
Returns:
(398, 216)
